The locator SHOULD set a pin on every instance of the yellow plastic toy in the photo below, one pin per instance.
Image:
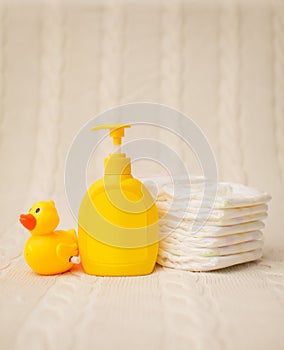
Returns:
(118, 220)
(48, 252)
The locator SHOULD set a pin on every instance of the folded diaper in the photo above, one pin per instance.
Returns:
(209, 263)
(228, 195)
(219, 222)
(170, 227)
(215, 214)
(199, 232)
(212, 242)
(173, 251)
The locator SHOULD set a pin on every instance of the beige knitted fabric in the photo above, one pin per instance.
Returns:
(63, 62)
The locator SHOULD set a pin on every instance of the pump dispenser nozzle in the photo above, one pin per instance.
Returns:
(116, 131)
(117, 163)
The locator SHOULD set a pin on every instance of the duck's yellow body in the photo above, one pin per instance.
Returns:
(47, 251)
(50, 254)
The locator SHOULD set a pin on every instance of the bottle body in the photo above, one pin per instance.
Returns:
(118, 228)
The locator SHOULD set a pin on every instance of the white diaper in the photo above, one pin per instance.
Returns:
(172, 227)
(211, 242)
(172, 251)
(217, 222)
(228, 195)
(209, 263)
(191, 212)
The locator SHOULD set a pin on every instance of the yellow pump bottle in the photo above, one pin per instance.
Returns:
(118, 220)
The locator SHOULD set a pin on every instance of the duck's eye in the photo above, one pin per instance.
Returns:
(37, 210)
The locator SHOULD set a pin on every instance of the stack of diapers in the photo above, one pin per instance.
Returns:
(204, 230)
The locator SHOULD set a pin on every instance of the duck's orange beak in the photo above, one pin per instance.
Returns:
(28, 221)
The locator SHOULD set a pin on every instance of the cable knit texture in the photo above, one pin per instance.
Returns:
(63, 62)
(231, 146)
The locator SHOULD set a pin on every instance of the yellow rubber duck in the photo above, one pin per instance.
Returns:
(48, 252)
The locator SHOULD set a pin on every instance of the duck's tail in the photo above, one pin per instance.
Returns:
(72, 232)
(75, 259)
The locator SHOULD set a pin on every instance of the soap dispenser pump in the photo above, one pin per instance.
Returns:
(118, 219)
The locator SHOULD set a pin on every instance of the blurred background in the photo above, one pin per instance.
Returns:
(63, 62)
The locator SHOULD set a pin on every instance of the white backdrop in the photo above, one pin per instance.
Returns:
(63, 62)
(220, 62)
